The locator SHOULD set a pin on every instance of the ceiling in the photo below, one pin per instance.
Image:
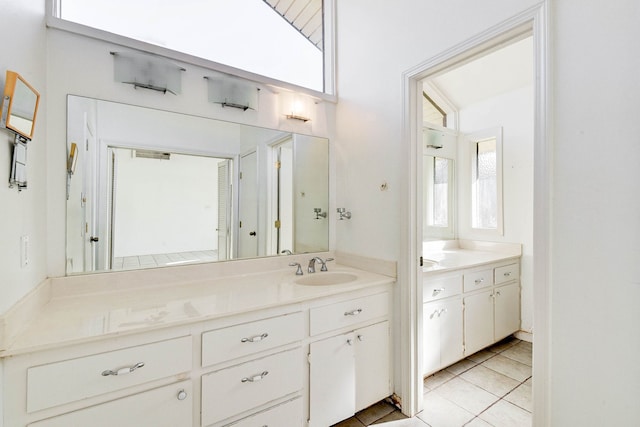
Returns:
(500, 71)
(304, 15)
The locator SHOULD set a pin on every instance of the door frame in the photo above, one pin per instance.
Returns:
(534, 20)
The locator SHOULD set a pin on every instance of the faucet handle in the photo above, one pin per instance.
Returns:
(299, 270)
(324, 264)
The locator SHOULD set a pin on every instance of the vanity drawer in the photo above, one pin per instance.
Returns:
(507, 273)
(239, 388)
(247, 338)
(441, 287)
(160, 407)
(346, 313)
(286, 414)
(70, 380)
(478, 280)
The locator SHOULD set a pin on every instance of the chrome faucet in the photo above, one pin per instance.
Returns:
(299, 270)
(312, 264)
(286, 252)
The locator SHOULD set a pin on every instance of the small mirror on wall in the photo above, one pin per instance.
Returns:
(19, 105)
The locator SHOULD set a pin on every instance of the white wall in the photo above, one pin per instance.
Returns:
(595, 288)
(595, 243)
(513, 111)
(165, 206)
(370, 149)
(23, 213)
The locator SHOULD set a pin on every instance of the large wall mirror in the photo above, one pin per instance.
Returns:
(149, 188)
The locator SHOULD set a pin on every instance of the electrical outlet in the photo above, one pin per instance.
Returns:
(24, 251)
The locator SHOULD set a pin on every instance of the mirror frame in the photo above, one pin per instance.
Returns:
(9, 97)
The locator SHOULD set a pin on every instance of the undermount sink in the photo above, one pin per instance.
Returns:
(326, 278)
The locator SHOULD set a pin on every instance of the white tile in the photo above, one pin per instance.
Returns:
(509, 367)
(481, 356)
(505, 414)
(466, 395)
(409, 422)
(521, 396)
(477, 422)
(490, 380)
(441, 412)
(437, 379)
(461, 366)
(504, 344)
(520, 353)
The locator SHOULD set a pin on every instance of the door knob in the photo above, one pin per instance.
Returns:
(93, 239)
(252, 233)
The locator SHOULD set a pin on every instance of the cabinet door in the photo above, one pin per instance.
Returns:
(478, 321)
(168, 406)
(507, 310)
(451, 331)
(332, 379)
(431, 336)
(372, 364)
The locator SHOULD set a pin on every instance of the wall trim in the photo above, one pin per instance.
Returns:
(532, 21)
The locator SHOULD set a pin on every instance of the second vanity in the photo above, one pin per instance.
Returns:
(471, 299)
(203, 346)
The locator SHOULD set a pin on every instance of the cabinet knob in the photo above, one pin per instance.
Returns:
(507, 274)
(360, 338)
(478, 281)
(350, 341)
(182, 395)
(437, 291)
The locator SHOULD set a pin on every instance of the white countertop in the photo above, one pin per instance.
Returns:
(465, 254)
(75, 318)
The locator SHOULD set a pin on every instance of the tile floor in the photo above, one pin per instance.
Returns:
(489, 388)
(160, 260)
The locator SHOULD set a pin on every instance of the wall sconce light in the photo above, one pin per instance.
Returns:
(343, 214)
(147, 71)
(233, 92)
(296, 106)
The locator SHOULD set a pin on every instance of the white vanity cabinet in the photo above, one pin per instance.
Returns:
(351, 370)
(168, 406)
(442, 322)
(494, 312)
(468, 309)
(307, 350)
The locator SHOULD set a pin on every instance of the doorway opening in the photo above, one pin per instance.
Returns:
(529, 26)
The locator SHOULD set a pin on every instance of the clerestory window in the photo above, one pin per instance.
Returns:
(285, 40)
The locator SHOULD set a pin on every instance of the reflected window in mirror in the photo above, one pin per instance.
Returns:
(486, 175)
(439, 194)
(247, 34)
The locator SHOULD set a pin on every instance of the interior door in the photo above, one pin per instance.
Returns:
(224, 210)
(248, 206)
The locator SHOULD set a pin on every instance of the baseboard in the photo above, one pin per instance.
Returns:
(524, 336)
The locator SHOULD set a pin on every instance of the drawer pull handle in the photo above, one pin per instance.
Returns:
(123, 371)
(353, 312)
(437, 291)
(255, 338)
(182, 395)
(255, 378)
(478, 281)
(507, 274)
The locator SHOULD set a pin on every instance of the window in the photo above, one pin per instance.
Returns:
(438, 200)
(432, 112)
(252, 35)
(486, 183)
